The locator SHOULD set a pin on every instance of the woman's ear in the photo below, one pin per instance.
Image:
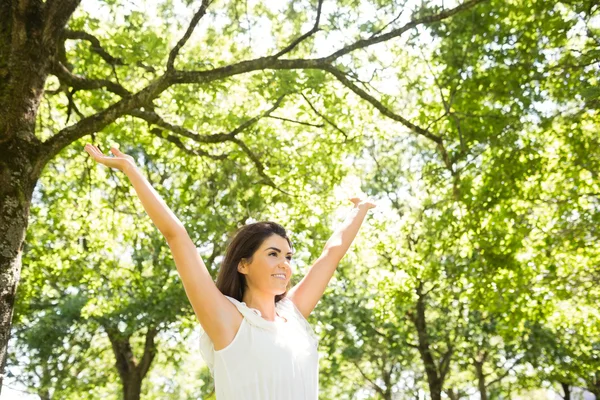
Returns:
(242, 266)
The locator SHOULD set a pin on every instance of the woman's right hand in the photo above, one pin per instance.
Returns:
(120, 161)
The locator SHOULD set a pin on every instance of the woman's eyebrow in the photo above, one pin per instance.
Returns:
(275, 248)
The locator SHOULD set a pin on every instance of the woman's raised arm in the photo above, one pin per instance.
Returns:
(217, 315)
(167, 223)
(307, 293)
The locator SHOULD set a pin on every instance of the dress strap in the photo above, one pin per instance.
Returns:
(251, 316)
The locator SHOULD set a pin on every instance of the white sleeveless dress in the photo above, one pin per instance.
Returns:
(266, 360)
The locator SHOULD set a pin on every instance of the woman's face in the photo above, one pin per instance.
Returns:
(270, 270)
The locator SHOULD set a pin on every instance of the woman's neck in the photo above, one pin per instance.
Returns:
(263, 302)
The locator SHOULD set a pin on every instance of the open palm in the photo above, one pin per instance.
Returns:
(358, 201)
(120, 160)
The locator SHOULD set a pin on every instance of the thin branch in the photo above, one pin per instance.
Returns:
(82, 83)
(194, 152)
(325, 118)
(388, 24)
(297, 122)
(375, 386)
(258, 165)
(96, 47)
(499, 378)
(378, 105)
(363, 43)
(195, 19)
(445, 362)
(255, 119)
(153, 118)
(298, 40)
(447, 108)
(72, 106)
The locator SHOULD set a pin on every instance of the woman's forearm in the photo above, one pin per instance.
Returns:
(158, 211)
(339, 243)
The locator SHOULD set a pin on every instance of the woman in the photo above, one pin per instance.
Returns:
(255, 336)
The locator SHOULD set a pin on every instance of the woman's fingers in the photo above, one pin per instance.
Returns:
(118, 161)
(91, 150)
(358, 201)
(96, 153)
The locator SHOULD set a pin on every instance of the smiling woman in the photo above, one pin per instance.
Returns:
(271, 352)
(255, 337)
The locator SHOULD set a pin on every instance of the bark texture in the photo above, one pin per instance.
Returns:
(29, 31)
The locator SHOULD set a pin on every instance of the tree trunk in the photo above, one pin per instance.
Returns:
(17, 181)
(132, 387)
(452, 394)
(594, 385)
(567, 389)
(29, 33)
(131, 372)
(435, 377)
(44, 394)
(480, 379)
(387, 380)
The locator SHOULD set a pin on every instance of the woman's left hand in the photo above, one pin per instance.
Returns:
(366, 203)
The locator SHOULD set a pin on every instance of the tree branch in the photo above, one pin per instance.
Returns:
(195, 19)
(149, 351)
(378, 105)
(96, 122)
(152, 118)
(195, 152)
(155, 119)
(105, 117)
(96, 47)
(297, 122)
(360, 44)
(325, 118)
(375, 386)
(298, 40)
(82, 83)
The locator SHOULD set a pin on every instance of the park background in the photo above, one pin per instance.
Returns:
(473, 125)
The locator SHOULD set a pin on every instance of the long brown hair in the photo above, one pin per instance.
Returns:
(245, 241)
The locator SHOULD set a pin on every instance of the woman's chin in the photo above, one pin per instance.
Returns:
(281, 291)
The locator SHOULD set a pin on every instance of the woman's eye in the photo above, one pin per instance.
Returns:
(289, 258)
